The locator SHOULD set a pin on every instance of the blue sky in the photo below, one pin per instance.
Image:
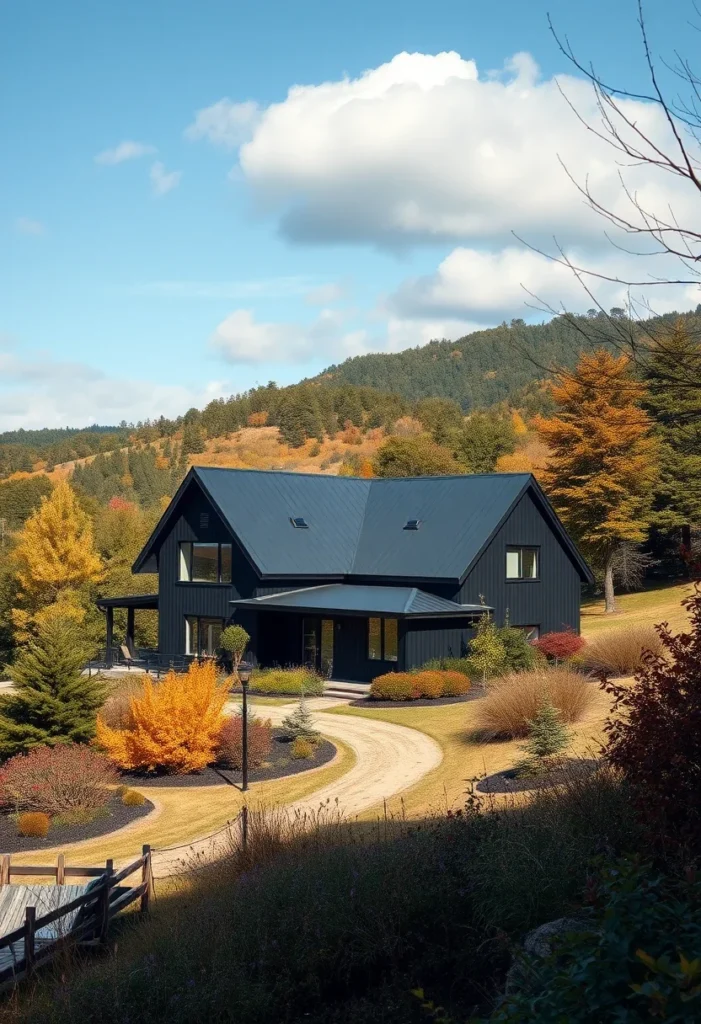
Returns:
(214, 258)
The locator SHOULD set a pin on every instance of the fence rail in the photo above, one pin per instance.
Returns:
(85, 918)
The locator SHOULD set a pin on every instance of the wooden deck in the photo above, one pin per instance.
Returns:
(36, 920)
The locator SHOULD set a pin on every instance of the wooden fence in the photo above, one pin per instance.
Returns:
(83, 919)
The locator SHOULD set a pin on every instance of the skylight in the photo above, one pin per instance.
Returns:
(299, 523)
(412, 524)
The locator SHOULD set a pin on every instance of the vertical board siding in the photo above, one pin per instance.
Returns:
(551, 602)
(425, 639)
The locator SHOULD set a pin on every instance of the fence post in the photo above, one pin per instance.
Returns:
(5, 869)
(30, 917)
(104, 907)
(61, 869)
(146, 877)
(244, 828)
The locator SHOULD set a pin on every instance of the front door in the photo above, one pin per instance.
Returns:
(317, 645)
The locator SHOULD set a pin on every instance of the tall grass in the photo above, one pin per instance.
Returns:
(619, 651)
(511, 702)
(327, 920)
(115, 710)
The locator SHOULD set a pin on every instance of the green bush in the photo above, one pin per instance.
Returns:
(450, 665)
(133, 798)
(301, 749)
(637, 957)
(34, 823)
(521, 655)
(294, 681)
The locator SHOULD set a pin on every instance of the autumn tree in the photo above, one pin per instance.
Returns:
(604, 459)
(173, 726)
(484, 438)
(418, 455)
(54, 557)
(52, 701)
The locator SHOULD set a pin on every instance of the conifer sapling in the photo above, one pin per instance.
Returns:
(547, 738)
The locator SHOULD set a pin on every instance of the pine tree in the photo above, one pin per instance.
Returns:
(604, 459)
(193, 439)
(547, 738)
(51, 701)
(676, 409)
(300, 723)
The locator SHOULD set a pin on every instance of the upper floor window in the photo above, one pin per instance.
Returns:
(522, 563)
(205, 563)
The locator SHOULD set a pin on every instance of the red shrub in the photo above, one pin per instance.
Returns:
(654, 733)
(230, 744)
(67, 777)
(560, 646)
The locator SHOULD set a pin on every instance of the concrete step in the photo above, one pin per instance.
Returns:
(352, 691)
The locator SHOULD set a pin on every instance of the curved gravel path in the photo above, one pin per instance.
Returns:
(389, 759)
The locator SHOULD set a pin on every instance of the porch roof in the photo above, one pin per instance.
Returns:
(357, 599)
(130, 601)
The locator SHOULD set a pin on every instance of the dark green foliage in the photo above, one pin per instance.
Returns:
(299, 724)
(299, 416)
(193, 439)
(21, 449)
(483, 439)
(417, 455)
(520, 654)
(51, 702)
(636, 958)
(547, 738)
(133, 475)
(19, 498)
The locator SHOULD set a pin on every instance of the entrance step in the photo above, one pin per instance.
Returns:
(348, 691)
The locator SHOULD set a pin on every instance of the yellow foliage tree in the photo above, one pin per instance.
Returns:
(173, 726)
(603, 460)
(54, 557)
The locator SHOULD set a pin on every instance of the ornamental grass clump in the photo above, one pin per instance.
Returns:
(620, 651)
(68, 778)
(133, 798)
(513, 701)
(33, 823)
(172, 727)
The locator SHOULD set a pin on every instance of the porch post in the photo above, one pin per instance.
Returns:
(130, 631)
(109, 612)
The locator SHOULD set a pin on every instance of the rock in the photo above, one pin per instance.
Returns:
(538, 943)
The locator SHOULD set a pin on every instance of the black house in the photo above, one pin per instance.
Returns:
(356, 577)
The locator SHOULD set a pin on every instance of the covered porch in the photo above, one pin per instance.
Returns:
(354, 632)
(131, 604)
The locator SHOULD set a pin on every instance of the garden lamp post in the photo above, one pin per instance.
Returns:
(244, 674)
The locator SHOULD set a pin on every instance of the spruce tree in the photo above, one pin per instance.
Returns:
(300, 723)
(547, 738)
(51, 702)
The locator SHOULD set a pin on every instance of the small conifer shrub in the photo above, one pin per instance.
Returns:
(300, 724)
(548, 737)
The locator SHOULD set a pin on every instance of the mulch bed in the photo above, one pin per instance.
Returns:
(279, 764)
(509, 782)
(424, 702)
(116, 817)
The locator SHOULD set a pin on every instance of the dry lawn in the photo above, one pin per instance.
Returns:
(649, 607)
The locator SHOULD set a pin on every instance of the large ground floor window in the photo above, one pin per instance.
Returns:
(202, 635)
(383, 639)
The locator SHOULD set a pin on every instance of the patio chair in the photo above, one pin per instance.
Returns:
(129, 660)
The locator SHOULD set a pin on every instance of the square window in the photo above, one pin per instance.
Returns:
(522, 563)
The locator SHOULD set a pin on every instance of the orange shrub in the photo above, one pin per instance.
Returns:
(173, 726)
(455, 684)
(394, 686)
(34, 823)
(429, 684)
(257, 419)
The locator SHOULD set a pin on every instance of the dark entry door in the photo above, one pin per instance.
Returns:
(317, 645)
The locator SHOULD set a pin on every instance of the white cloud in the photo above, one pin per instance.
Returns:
(240, 338)
(127, 150)
(225, 123)
(38, 391)
(422, 149)
(163, 181)
(27, 226)
(493, 286)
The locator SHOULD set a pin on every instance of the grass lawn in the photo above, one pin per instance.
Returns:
(651, 606)
(191, 813)
(451, 726)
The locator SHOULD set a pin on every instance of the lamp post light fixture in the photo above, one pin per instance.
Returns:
(244, 673)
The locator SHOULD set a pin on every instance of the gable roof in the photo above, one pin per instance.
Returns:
(356, 527)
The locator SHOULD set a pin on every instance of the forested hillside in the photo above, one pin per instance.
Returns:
(487, 367)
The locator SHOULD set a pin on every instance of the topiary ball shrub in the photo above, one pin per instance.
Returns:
(230, 744)
(133, 798)
(301, 749)
(394, 686)
(455, 684)
(34, 823)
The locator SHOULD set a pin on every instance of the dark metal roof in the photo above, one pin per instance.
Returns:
(131, 601)
(356, 527)
(352, 599)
